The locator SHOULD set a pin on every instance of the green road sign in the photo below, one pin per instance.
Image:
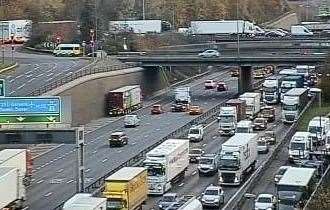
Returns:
(29, 110)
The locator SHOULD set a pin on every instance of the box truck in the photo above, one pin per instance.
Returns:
(319, 127)
(123, 100)
(238, 156)
(240, 108)
(85, 201)
(21, 159)
(11, 196)
(226, 27)
(300, 146)
(227, 120)
(126, 189)
(252, 101)
(271, 89)
(294, 101)
(166, 164)
(289, 82)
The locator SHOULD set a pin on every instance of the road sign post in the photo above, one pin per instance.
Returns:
(2, 88)
(30, 110)
(81, 159)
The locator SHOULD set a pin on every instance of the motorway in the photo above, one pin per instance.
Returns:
(193, 184)
(36, 70)
(54, 175)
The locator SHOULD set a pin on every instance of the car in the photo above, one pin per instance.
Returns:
(259, 123)
(195, 110)
(209, 54)
(221, 86)
(262, 146)
(131, 120)
(208, 164)
(179, 107)
(283, 31)
(234, 73)
(280, 172)
(269, 137)
(274, 34)
(268, 112)
(265, 202)
(167, 200)
(195, 154)
(118, 138)
(210, 84)
(157, 109)
(213, 196)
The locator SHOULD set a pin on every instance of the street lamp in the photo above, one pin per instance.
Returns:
(237, 28)
(143, 10)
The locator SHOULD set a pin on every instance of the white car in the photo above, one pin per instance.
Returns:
(265, 202)
(210, 84)
(262, 146)
(209, 54)
(131, 120)
(275, 34)
(212, 196)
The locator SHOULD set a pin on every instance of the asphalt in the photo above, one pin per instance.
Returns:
(193, 184)
(36, 70)
(54, 175)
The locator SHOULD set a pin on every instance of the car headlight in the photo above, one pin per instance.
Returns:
(159, 187)
(236, 179)
(220, 179)
(276, 179)
(216, 200)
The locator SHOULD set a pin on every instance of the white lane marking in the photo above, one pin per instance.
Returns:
(60, 171)
(40, 181)
(9, 76)
(95, 151)
(203, 145)
(19, 76)
(42, 74)
(119, 151)
(28, 72)
(48, 75)
(180, 185)
(12, 80)
(31, 80)
(194, 173)
(87, 170)
(14, 91)
(106, 159)
(49, 79)
(70, 181)
(20, 87)
(28, 76)
(48, 194)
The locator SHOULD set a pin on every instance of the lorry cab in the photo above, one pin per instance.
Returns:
(131, 120)
(319, 127)
(208, 164)
(196, 133)
(300, 146)
(244, 126)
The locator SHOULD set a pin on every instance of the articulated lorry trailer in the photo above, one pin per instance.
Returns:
(294, 101)
(238, 156)
(166, 164)
(123, 100)
(126, 189)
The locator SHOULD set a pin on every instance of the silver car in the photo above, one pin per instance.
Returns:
(213, 196)
(209, 54)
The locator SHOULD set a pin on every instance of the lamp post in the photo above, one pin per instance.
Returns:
(237, 29)
(2, 36)
(143, 10)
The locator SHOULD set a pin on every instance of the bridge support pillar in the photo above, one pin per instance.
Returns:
(245, 79)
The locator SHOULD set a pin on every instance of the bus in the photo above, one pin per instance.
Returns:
(295, 187)
(68, 50)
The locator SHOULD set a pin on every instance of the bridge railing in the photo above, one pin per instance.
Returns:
(88, 70)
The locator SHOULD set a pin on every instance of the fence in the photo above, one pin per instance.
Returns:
(88, 70)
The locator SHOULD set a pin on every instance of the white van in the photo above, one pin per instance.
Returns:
(300, 146)
(131, 120)
(300, 31)
(327, 141)
(319, 127)
(196, 133)
(68, 50)
(244, 126)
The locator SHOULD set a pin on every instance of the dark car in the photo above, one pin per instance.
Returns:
(118, 139)
(221, 86)
(259, 123)
(157, 109)
(179, 107)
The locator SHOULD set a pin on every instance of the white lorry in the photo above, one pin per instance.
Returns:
(300, 146)
(238, 156)
(85, 201)
(319, 127)
(300, 31)
(227, 120)
(271, 89)
(136, 26)
(182, 95)
(244, 126)
(294, 101)
(187, 203)
(225, 27)
(12, 196)
(166, 164)
(252, 103)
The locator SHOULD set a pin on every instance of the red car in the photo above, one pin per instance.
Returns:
(221, 86)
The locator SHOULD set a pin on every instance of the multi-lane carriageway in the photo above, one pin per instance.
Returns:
(54, 175)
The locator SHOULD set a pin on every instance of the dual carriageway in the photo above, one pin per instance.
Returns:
(54, 175)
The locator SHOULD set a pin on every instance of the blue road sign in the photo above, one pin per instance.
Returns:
(26, 106)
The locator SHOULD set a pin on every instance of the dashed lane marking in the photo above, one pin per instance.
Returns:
(48, 194)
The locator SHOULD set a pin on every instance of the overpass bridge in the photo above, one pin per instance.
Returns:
(244, 62)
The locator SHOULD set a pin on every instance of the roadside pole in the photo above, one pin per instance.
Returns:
(80, 138)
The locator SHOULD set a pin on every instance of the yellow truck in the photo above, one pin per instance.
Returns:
(126, 189)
